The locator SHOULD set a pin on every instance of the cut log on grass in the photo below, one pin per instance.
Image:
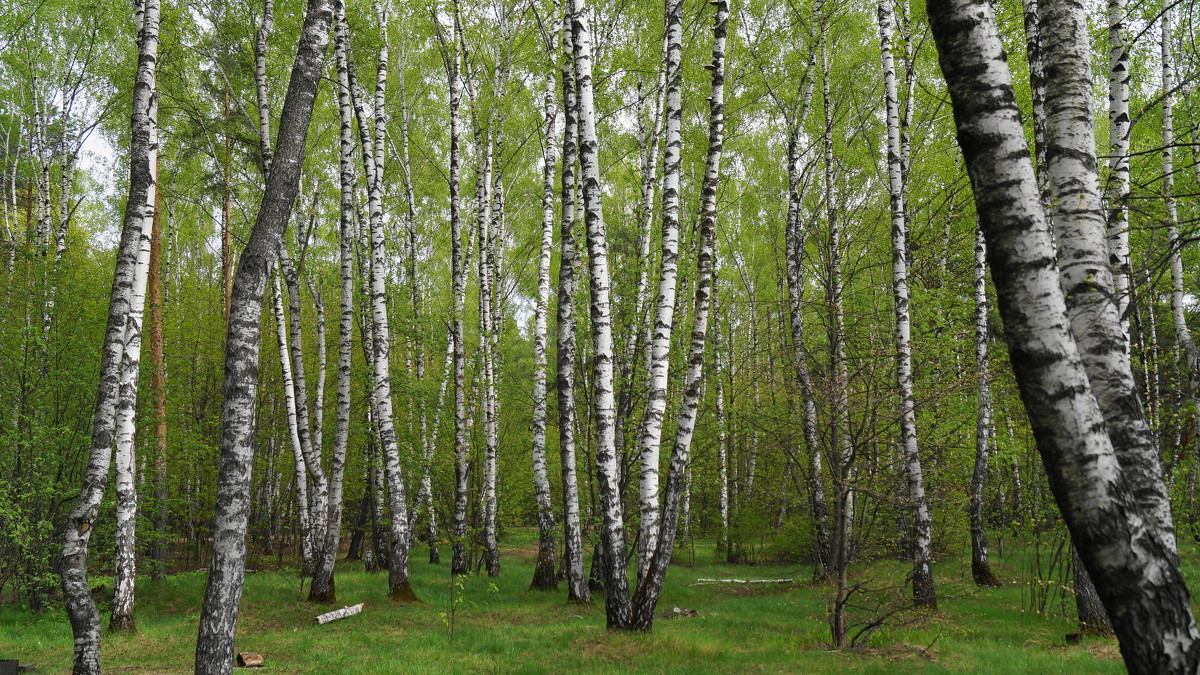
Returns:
(744, 581)
(340, 613)
(249, 660)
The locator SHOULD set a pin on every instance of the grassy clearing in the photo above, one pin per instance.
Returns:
(501, 626)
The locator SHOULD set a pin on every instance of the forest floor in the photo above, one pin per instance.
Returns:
(502, 626)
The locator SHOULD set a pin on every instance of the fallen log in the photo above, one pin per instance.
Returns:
(340, 613)
(249, 660)
(744, 581)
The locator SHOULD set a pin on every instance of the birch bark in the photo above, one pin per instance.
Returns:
(218, 617)
(664, 320)
(1087, 277)
(924, 593)
(81, 607)
(323, 587)
(1136, 572)
(645, 599)
(543, 573)
(616, 598)
(981, 569)
(459, 563)
(1119, 127)
(577, 586)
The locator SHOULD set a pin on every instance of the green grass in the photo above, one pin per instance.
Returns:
(501, 626)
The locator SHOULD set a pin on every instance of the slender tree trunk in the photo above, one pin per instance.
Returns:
(722, 444)
(1117, 186)
(318, 504)
(300, 467)
(543, 572)
(842, 452)
(158, 389)
(458, 266)
(924, 594)
(1175, 242)
(795, 239)
(398, 584)
(218, 617)
(81, 608)
(323, 588)
(645, 599)
(664, 320)
(616, 599)
(577, 586)
(1136, 572)
(981, 568)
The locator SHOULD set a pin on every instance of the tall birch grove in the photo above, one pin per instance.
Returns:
(833, 324)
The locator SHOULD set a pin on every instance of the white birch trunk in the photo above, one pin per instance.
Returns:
(616, 598)
(795, 238)
(458, 266)
(1119, 127)
(645, 600)
(299, 463)
(577, 586)
(1086, 275)
(1136, 573)
(218, 616)
(543, 573)
(981, 569)
(924, 594)
(323, 588)
(81, 607)
(664, 319)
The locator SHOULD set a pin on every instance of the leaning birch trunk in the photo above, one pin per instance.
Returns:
(1136, 571)
(650, 441)
(299, 464)
(319, 499)
(218, 617)
(924, 594)
(616, 599)
(645, 599)
(458, 563)
(577, 586)
(1087, 280)
(323, 588)
(543, 572)
(1119, 127)
(981, 568)
(125, 550)
(81, 607)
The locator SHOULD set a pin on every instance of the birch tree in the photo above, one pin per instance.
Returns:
(543, 572)
(323, 588)
(924, 594)
(577, 586)
(981, 569)
(612, 535)
(660, 344)
(1136, 572)
(645, 600)
(218, 617)
(139, 205)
